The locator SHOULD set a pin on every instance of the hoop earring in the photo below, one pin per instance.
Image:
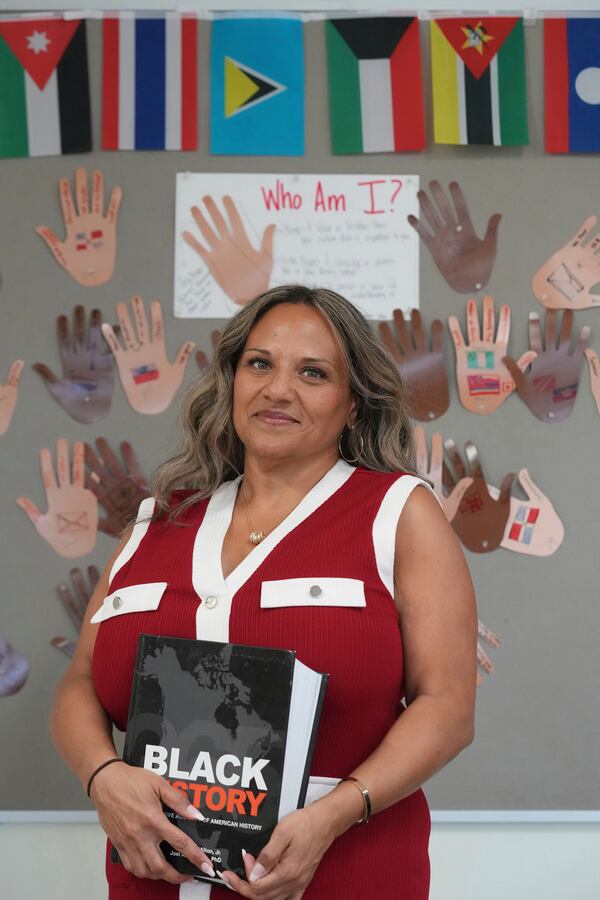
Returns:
(360, 452)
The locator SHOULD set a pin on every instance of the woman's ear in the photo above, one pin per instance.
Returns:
(353, 413)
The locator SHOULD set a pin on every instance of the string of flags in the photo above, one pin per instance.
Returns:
(376, 99)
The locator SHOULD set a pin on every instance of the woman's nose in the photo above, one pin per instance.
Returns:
(279, 385)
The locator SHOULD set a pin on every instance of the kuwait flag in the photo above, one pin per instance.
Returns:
(478, 76)
(44, 90)
(572, 84)
(375, 89)
(149, 83)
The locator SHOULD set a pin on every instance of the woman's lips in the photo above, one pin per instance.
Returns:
(272, 417)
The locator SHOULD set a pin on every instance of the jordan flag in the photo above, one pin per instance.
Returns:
(478, 81)
(375, 90)
(44, 90)
(572, 85)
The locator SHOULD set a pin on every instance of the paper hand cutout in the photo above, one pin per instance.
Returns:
(594, 367)
(119, 488)
(86, 388)
(550, 387)
(483, 659)
(567, 279)
(463, 259)
(480, 519)
(149, 380)
(64, 645)
(433, 471)
(201, 357)
(484, 382)
(70, 523)
(423, 370)
(9, 393)
(14, 669)
(75, 601)
(90, 246)
(533, 526)
(240, 270)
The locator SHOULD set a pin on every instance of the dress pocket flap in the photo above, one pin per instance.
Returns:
(135, 598)
(313, 591)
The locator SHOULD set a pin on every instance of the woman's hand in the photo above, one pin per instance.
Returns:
(129, 803)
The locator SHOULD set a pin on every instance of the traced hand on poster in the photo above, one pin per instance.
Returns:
(90, 246)
(149, 380)
(69, 525)
(75, 602)
(433, 471)
(484, 382)
(201, 358)
(14, 669)
(86, 388)
(119, 487)
(533, 526)
(9, 393)
(549, 389)
(423, 370)
(463, 259)
(483, 660)
(567, 280)
(594, 367)
(240, 270)
(480, 519)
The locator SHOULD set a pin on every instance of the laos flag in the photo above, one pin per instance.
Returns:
(572, 85)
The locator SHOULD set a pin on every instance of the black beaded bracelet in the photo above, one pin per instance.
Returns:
(99, 769)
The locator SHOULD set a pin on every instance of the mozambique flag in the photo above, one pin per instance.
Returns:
(572, 85)
(375, 89)
(44, 90)
(478, 75)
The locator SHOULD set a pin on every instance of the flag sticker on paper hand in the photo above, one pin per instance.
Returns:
(572, 85)
(44, 89)
(375, 89)
(149, 83)
(478, 81)
(257, 87)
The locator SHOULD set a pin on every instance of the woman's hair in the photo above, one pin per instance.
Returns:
(211, 452)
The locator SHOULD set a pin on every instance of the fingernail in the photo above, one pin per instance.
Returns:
(192, 811)
(207, 869)
(257, 872)
(224, 880)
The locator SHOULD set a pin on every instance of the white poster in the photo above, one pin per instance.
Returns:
(237, 235)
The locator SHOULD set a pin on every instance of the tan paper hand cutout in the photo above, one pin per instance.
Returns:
(9, 393)
(201, 358)
(567, 279)
(90, 246)
(533, 526)
(71, 521)
(484, 382)
(149, 380)
(463, 259)
(483, 660)
(433, 471)
(594, 367)
(240, 270)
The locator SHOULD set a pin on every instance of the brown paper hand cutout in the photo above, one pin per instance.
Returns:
(64, 645)
(483, 660)
(120, 488)
(533, 526)
(14, 669)
(423, 370)
(594, 367)
(201, 358)
(240, 270)
(481, 519)
(484, 382)
(550, 387)
(149, 380)
(69, 525)
(9, 393)
(86, 388)
(90, 246)
(75, 600)
(567, 280)
(433, 471)
(463, 259)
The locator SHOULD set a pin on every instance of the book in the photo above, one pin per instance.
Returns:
(231, 726)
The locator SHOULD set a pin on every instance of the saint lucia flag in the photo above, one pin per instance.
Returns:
(572, 85)
(44, 90)
(478, 75)
(375, 90)
(149, 83)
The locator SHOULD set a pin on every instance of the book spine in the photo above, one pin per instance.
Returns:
(313, 741)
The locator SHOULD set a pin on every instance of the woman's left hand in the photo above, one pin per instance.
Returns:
(286, 865)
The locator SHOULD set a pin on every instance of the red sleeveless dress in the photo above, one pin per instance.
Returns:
(168, 580)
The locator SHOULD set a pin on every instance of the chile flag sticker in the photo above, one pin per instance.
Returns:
(572, 85)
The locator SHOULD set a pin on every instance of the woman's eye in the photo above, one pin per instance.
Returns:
(258, 363)
(314, 373)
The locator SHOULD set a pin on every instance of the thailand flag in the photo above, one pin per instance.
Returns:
(149, 83)
(572, 85)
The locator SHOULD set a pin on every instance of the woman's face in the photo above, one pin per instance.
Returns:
(291, 396)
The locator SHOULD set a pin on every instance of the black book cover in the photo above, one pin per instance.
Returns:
(212, 719)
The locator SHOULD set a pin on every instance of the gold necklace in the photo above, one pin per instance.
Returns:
(255, 537)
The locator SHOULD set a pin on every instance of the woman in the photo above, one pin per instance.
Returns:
(298, 384)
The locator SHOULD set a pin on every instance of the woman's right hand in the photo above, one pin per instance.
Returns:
(129, 801)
